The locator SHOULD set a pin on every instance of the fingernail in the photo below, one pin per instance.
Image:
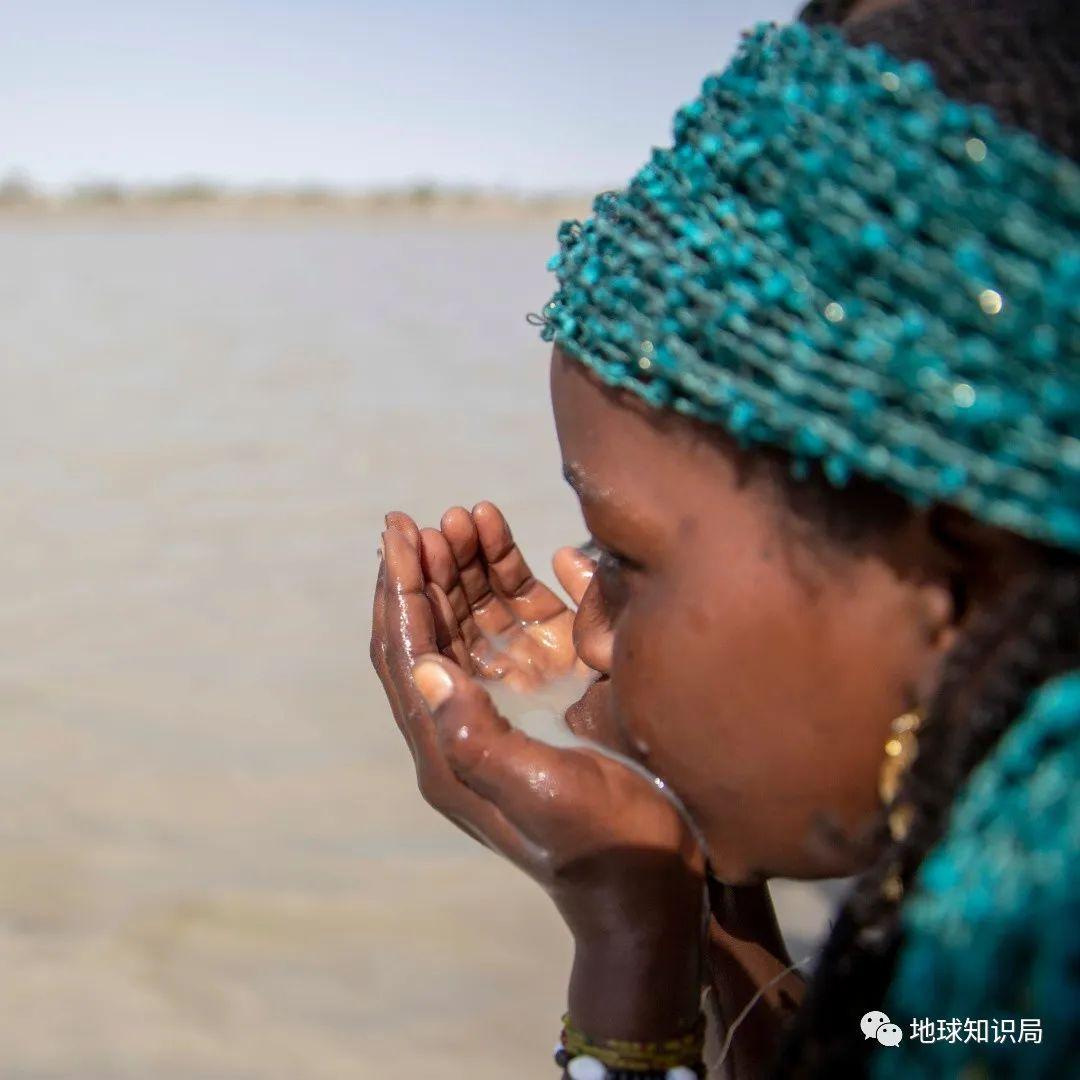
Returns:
(382, 547)
(435, 686)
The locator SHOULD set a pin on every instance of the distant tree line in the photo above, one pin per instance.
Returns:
(18, 188)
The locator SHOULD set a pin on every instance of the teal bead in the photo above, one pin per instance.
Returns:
(951, 479)
(838, 470)
(741, 416)
(591, 271)
(917, 126)
(776, 286)
(807, 442)
(838, 96)
(770, 220)
(862, 401)
(908, 213)
(874, 237)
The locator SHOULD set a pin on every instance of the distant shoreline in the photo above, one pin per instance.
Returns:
(193, 200)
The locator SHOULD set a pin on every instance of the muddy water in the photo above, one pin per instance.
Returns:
(213, 860)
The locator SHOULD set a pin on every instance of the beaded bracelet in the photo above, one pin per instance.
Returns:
(585, 1067)
(584, 1058)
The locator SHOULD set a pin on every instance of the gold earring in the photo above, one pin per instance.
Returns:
(901, 750)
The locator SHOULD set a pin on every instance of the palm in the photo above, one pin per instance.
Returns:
(615, 856)
(492, 615)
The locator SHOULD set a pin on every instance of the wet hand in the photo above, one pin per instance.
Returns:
(496, 620)
(614, 854)
(493, 616)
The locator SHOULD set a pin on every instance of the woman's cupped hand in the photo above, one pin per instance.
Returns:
(457, 605)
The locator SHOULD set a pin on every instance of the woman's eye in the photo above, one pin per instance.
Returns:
(613, 577)
(614, 574)
(608, 562)
(615, 585)
(606, 559)
(590, 548)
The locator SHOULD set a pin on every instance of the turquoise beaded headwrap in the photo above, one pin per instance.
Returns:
(836, 259)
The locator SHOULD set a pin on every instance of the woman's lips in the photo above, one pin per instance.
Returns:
(592, 717)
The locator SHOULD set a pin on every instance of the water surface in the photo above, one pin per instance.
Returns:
(213, 859)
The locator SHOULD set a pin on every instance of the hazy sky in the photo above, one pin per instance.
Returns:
(558, 94)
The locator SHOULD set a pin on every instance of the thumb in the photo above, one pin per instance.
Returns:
(575, 570)
(518, 774)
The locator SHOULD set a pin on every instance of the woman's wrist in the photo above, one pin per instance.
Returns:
(637, 987)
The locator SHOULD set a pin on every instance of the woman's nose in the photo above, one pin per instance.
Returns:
(593, 636)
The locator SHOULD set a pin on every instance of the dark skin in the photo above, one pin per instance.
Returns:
(750, 663)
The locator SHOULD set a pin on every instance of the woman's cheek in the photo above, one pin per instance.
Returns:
(648, 684)
(636, 687)
(667, 683)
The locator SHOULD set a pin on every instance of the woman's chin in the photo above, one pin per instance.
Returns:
(737, 874)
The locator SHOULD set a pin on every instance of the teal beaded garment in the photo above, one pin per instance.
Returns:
(992, 932)
(836, 259)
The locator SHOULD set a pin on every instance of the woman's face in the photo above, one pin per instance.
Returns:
(753, 669)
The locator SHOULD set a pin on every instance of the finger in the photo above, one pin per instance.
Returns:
(408, 624)
(437, 560)
(521, 776)
(446, 624)
(447, 631)
(378, 619)
(528, 599)
(378, 609)
(491, 613)
(401, 521)
(467, 809)
(440, 567)
(575, 570)
(379, 650)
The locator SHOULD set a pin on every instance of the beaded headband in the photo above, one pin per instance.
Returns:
(836, 259)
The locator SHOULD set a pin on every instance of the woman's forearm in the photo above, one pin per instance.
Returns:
(649, 988)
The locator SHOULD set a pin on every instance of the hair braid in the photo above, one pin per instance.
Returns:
(1031, 636)
(826, 11)
(1020, 57)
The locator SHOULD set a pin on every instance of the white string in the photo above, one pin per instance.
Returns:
(725, 1047)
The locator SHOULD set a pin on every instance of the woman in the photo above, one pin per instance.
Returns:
(816, 381)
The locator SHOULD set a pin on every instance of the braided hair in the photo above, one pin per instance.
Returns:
(1020, 58)
(1017, 56)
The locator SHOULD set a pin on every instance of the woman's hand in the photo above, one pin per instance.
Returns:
(493, 616)
(497, 620)
(613, 853)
